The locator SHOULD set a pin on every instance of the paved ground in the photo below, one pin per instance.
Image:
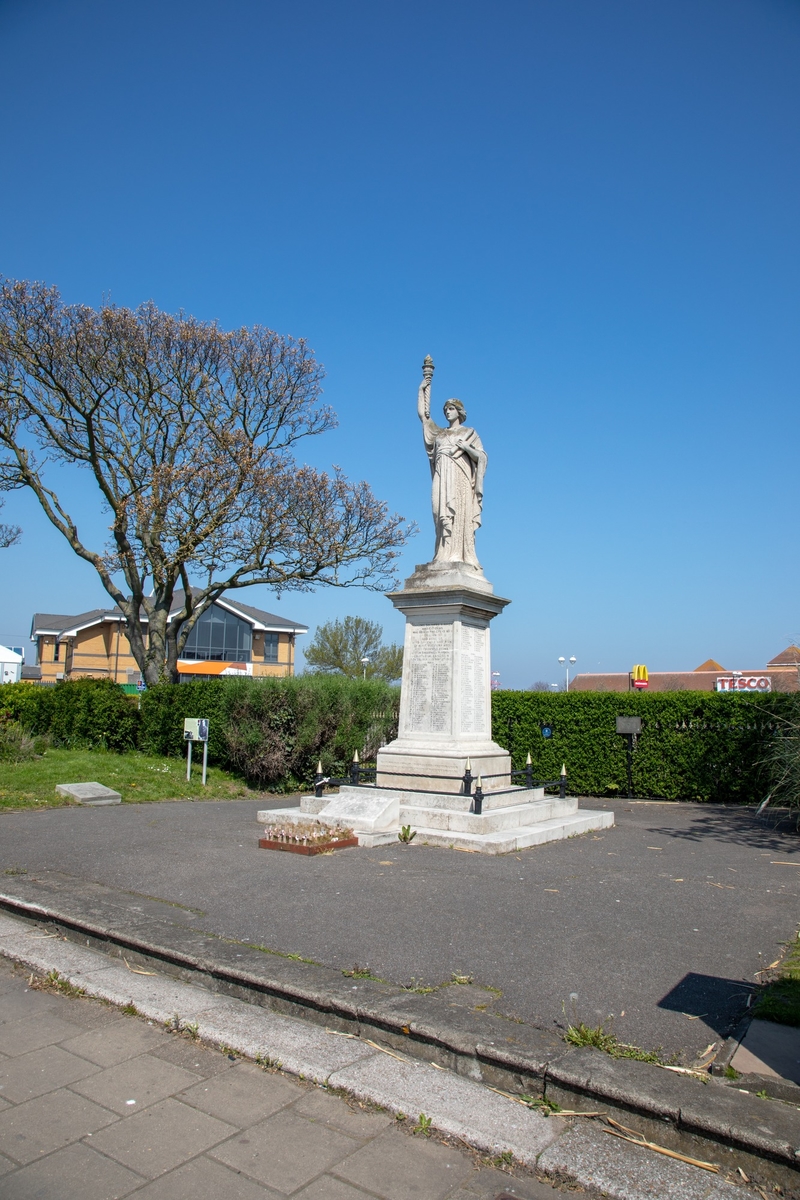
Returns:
(662, 921)
(98, 1106)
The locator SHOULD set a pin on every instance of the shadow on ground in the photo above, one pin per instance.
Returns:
(718, 1002)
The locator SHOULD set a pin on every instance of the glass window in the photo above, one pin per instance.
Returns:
(219, 636)
(270, 647)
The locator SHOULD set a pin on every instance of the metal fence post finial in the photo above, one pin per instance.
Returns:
(477, 801)
(468, 779)
(562, 790)
(529, 771)
(318, 780)
(355, 770)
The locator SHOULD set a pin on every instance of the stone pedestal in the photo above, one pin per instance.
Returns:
(445, 705)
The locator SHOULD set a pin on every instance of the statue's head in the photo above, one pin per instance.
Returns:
(458, 407)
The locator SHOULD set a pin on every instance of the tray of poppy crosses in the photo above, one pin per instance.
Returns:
(307, 837)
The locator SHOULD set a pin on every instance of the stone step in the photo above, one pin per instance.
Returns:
(506, 841)
(492, 821)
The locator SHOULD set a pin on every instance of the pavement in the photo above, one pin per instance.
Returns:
(656, 927)
(147, 1091)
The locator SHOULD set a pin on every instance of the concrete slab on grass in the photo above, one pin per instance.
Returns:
(769, 1049)
(96, 794)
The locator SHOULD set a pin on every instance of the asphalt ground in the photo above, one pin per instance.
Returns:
(656, 927)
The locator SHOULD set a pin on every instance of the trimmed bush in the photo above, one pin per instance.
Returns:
(92, 713)
(275, 730)
(693, 745)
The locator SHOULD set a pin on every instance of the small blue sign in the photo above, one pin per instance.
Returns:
(547, 731)
(141, 686)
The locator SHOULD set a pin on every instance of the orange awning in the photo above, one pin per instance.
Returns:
(209, 668)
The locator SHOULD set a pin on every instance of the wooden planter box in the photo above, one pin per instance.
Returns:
(295, 848)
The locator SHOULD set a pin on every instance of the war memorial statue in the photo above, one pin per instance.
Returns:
(444, 754)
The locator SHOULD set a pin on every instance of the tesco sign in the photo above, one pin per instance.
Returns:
(744, 683)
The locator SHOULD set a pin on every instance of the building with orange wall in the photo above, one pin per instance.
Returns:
(230, 638)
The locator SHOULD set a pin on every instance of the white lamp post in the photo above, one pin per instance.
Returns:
(562, 660)
(365, 663)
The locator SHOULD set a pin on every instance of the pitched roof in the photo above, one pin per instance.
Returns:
(710, 664)
(787, 658)
(58, 624)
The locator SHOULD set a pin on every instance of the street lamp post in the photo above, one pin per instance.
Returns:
(562, 660)
(365, 663)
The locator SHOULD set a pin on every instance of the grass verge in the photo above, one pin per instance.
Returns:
(780, 1000)
(137, 777)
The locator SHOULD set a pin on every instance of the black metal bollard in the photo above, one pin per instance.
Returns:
(528, 771)
(477, 799)
(562, 788)
(468, 780)
(319, 781)
(355, 771)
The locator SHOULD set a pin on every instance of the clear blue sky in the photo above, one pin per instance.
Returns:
(586, 212)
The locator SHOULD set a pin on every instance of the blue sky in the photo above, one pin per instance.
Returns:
(586, 212)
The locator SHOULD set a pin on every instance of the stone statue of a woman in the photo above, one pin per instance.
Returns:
(458, 465)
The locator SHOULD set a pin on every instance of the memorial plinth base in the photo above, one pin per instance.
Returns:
(445, 724)
(510, 821)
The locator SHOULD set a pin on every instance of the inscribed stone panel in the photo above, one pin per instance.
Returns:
(430, 678)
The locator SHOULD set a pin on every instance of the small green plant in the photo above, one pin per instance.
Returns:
(61, 984)
(406, 835)
(174, 1023)
(362, 973)
(731, 1073)
(462, 979)
(193, 1030)
(230, 1052)
(763, 1094)
(423, 1125)
(268, 1063)
(602, 1039)
(504, 1159)
(400, 1116)
(129, 1010)
(541, 1104)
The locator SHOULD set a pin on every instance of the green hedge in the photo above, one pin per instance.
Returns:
(80, 712)
(275, 730)
(693, 745)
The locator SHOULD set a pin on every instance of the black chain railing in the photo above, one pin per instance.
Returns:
(364, 776)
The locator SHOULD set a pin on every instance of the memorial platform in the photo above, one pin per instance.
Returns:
(511, 820)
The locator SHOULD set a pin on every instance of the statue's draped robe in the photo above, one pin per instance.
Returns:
(457, 492)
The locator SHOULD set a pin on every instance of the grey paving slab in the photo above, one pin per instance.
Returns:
(243, 1096)
(317, 1105)
(204, 1179)
(191, 1056)
(396, 1166)
(285, 1151)
(161, 1138)
(115, 1042)
(329, 1188)
(75, 1173)
(135, 1084)
(20, 1005)
(769, 1049)
(33, 1032)
(49, 1122)
(40, 1071)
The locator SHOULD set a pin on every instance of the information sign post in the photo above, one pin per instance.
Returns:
(195, 729)
(629, 727)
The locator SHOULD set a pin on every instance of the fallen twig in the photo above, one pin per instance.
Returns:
(638, 1139)
(383, 1050)
(137, 970)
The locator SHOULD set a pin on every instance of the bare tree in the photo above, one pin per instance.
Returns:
(187, 431)
(9, 534)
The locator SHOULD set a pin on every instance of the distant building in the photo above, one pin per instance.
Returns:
(781, 674)
(11, 662)
(230, 638)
